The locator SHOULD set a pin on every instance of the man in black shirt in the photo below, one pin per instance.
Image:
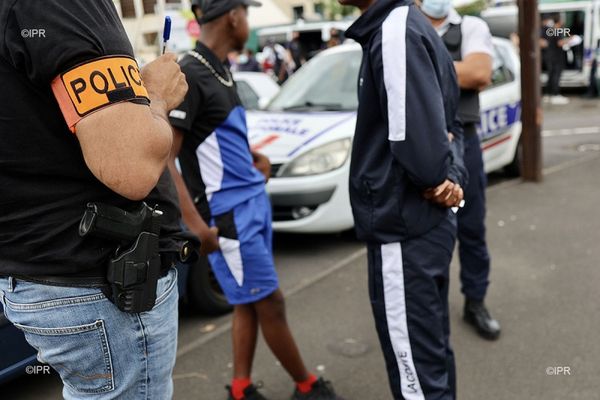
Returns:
(78, 125)
(553, 38)
(223, 200)
(248, 62)
(297, 53)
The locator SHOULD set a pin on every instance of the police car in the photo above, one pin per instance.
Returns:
(307, 132)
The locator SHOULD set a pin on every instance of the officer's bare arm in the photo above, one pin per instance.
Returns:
(474, 71)
(127, 145)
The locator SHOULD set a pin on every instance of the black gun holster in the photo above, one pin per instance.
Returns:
(135, 268)
(133, 275)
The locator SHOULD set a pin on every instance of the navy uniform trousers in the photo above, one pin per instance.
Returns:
(408, 289)
(472, 247)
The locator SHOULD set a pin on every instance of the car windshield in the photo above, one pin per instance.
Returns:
(328, 82)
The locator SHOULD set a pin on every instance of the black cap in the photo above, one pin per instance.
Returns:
(212, 9)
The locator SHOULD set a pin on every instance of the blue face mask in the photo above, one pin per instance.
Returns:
(437, 9)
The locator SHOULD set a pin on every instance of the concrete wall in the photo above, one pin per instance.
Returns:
(287, 6)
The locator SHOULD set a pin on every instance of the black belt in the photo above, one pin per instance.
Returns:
(167, 261)
(470, 128)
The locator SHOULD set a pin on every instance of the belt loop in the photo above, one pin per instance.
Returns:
(11, 284)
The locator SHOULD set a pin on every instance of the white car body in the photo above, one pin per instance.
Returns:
(319, 203)
(263, 87)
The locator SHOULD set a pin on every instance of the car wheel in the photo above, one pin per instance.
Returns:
(513, 169)
(204, 293)
(349, 235)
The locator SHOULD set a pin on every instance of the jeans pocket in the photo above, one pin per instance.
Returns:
(165, 286)
(80, 354)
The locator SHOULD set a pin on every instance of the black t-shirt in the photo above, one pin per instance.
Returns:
(295, 47)
(208, 102)
(44, 181)
(215, 156)
(171, 231)
(553, 53)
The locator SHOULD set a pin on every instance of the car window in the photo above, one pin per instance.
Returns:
(502, 74)
(327, 82)
(248, 97)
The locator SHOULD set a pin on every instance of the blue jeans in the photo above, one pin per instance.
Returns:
(100, 352)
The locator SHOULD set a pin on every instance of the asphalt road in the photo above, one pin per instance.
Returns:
(548, 312)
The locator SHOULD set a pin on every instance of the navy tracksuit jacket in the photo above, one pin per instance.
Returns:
(408, 99)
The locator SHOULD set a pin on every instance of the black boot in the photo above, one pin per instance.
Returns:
(477, 315)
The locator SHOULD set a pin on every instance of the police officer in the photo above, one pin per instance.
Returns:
(80, 123)
(405, 173)
(469, 41)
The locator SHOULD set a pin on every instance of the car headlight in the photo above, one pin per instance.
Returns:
(323, 159)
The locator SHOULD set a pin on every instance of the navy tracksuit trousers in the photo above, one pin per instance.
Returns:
(408, 288)
(472, 247)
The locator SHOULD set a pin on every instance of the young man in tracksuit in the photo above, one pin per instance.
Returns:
(406, 172)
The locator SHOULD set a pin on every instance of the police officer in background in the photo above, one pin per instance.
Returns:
(469, 41)
(79, 125)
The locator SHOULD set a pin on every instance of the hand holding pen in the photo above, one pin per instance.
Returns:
(166, 33)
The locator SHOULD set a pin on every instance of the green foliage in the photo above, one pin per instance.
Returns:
(474, 8)
(333, 9)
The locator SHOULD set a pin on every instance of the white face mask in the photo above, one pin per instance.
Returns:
(243, 59)
(437, 9)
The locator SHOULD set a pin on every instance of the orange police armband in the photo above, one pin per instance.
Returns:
(98, 83)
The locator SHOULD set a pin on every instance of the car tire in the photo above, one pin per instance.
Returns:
(204, 293)
(514, 169)
(349, 235)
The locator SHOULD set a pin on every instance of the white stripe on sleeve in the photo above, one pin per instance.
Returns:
(394, 71)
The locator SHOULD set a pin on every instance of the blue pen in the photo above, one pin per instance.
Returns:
(166, 33)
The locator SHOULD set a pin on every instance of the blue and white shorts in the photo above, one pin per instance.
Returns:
(244, 264)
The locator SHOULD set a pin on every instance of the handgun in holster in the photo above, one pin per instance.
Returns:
(134, 270)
